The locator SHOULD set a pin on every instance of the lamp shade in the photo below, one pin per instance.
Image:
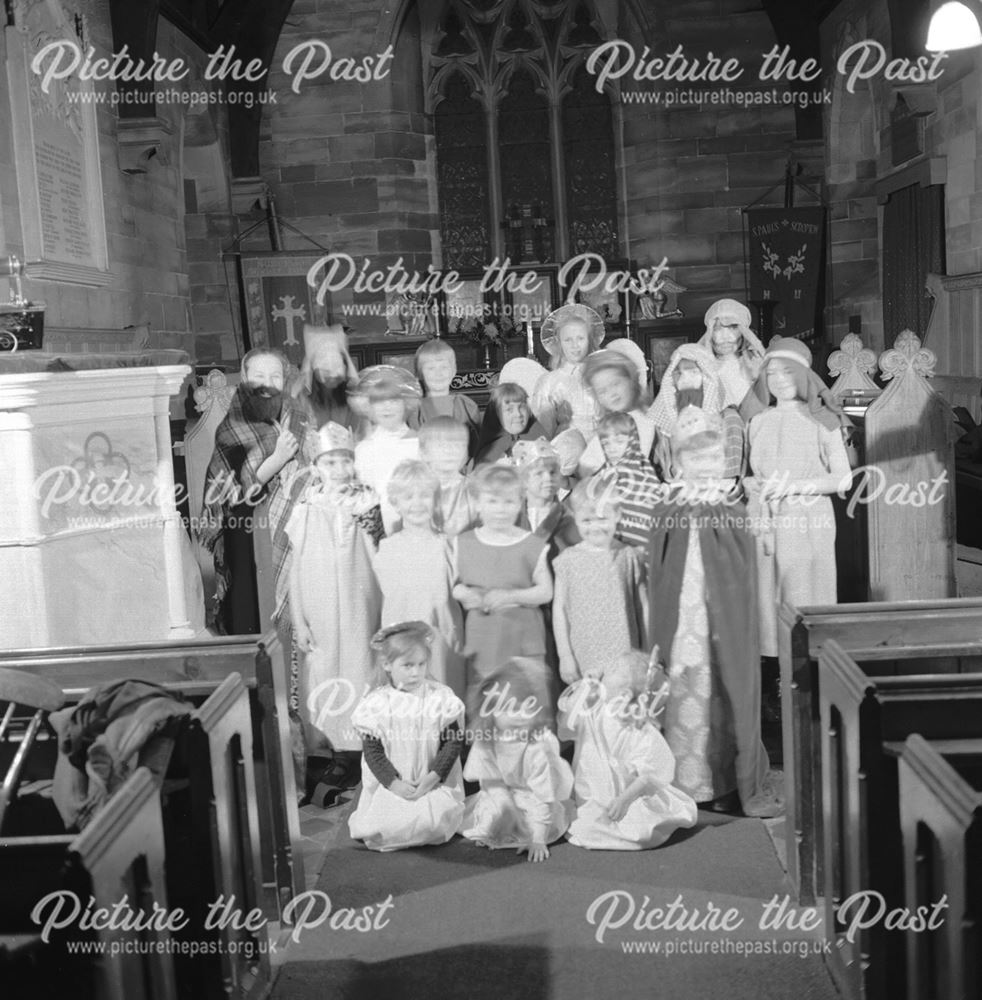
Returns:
(953, 26)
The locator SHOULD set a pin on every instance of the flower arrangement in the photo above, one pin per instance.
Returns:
(486, 331)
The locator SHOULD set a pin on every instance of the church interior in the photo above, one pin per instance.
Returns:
(434, 349)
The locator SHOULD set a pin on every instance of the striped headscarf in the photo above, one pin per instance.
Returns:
(638, 489)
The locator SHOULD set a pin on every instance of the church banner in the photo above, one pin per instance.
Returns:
(785, 264)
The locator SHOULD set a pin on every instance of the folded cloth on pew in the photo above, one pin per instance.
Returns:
(100, 740)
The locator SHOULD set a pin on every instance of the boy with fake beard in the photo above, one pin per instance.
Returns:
(255, 459)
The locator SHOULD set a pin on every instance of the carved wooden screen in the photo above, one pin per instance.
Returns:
(512, 72)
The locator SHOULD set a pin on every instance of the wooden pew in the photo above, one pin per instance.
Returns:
(120, 853)
(224, 862)
(860, 716)
(802, 634)
(941, 819)
(211, 838)
(197, 665)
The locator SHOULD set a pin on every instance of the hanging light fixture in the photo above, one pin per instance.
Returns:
(953, 26)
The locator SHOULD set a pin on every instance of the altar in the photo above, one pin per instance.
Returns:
(92, 548)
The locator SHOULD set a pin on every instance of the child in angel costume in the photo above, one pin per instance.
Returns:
(600, 601)
(623, 768)
(525, 786)
(798, 458)
(412, 793)
(617, 377)
(414, 568)
(701, 579)
(692, 379)
(436, 366)
(443, 445)
(334, 600)
(560, 398)
(737, 349)
(388, 394)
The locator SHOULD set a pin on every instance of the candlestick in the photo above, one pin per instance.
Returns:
(530, 338)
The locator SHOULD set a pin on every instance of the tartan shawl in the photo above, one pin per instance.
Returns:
(241, 447)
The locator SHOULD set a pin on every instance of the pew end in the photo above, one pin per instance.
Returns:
(941, 823)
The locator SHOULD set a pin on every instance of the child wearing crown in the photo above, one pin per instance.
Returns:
(702, 594)
(335, 601)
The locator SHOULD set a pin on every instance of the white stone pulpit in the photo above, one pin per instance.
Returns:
(92, 548)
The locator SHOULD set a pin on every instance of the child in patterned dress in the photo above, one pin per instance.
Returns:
(600, 601)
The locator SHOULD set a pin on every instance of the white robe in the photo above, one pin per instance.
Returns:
(409, 724)
(375, 459)
(525, 792)
(610, 754)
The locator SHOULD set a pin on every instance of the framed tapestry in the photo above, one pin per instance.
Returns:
(278, 301)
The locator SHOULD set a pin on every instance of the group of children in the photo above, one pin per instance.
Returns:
(455, 583)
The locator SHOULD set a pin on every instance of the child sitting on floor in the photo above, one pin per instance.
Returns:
(625, 800)
(412, 793)
(525, 784)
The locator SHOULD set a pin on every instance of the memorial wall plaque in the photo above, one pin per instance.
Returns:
(56, 151)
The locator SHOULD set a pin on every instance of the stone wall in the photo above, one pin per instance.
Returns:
(353, 165)
(349, 163)
(858, 160)
(145, 219)
(691, 168)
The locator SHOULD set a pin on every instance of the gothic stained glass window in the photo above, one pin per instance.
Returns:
(521, 133)
(462, 176)
(524, 155)
(590, 177)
